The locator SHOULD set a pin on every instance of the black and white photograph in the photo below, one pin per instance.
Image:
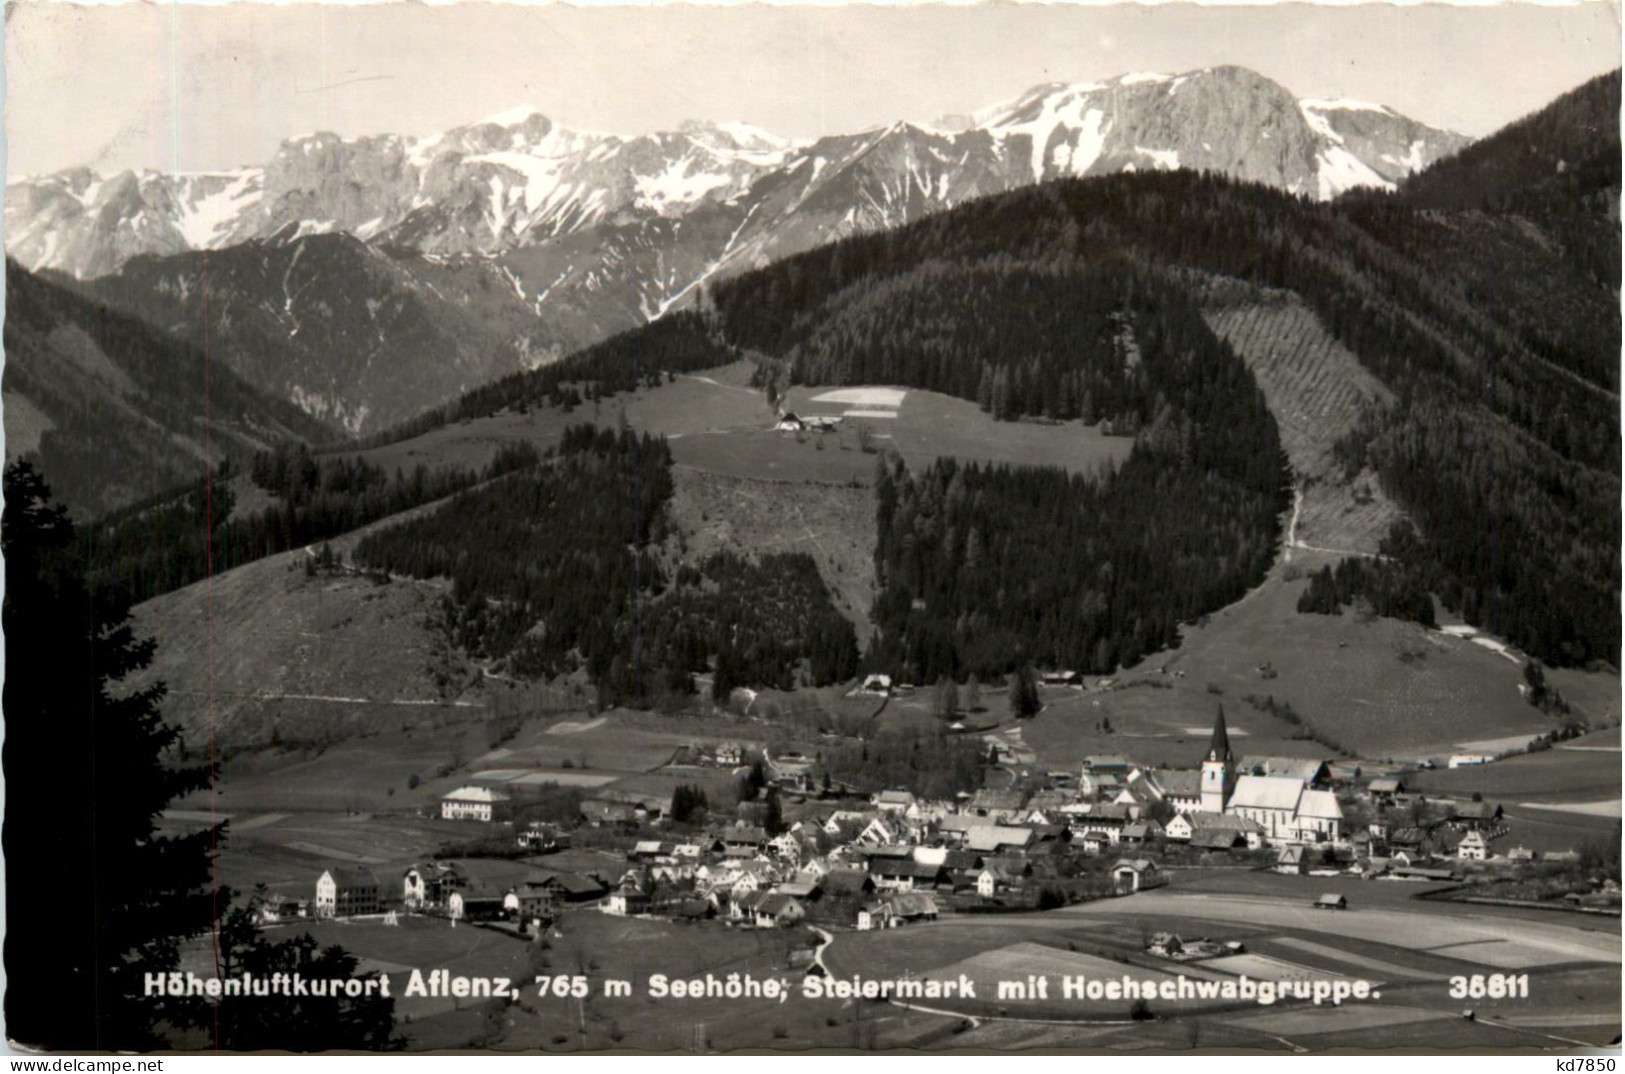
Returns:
(812, 528)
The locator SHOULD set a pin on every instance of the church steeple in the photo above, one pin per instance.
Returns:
(1219, 748)
(1218, 769)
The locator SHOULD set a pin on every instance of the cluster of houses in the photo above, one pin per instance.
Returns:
(896, 858)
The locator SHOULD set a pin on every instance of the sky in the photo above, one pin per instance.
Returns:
(194, 87)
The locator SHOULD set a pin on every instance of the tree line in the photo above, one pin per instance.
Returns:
(161, 545)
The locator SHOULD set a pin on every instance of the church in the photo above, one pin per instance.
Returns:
(1288, 808)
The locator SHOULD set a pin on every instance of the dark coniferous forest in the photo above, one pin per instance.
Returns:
(549, 564)
(756, 619)
(557, 568)
(984, 569)
(165, 543)
(1503, 352)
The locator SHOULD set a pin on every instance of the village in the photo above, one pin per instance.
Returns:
(806, 853)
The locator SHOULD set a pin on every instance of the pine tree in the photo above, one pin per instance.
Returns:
(1024, 702)
(87, 775)
(772, 814)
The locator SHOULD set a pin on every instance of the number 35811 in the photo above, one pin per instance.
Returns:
(1490, 986)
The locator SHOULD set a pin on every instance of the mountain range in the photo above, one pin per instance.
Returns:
(367, 279)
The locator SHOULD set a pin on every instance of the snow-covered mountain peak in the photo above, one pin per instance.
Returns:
(517, 178)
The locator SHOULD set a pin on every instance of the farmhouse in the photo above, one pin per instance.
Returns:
(346, 890)
(898, 910)
(279, 905)
(876, 685)
(475, 803)
(568, 887)
(481, 905)
(628, 898)
(1142, 831)
(1292, 861)
(1473, 847)
(896, 802)
(905, 874)
(775, 910)
(994, 880)
(1383, 791)
(1477, 816)
(744, 836)
(997, 805)
(427, 886)
(1222, 831)
(992, 838)
(1180, 788)
(879, 832)
(598, 811)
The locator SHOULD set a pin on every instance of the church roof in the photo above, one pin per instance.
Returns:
(1306, 769)
(1321, 805)
(1267, 792)
(1219, 748)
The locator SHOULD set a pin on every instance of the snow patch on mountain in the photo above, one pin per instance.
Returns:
(202, 215)
(1341, 171)
(676, 189)
(1166, 159)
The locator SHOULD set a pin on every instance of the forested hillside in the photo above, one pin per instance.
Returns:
(175, 539)
(1502, 353)
(546, 563)
(114, 410)
(554, 571)
(1490, 328)
(982, 569)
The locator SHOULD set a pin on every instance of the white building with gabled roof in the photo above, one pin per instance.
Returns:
(475, 803)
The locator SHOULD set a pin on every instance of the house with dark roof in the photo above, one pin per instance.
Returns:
(1385, 789)
(1180, 788)
(1291, 860)
(1142, 831)
(896, 910)
(905, 874)
(997, 805)
(743, 835)
(777, 910)
(1477, 816)
(993, 838)
(345, 891)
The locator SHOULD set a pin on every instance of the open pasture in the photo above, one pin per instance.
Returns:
(633, 949)
(924, 426)
(1548, 830)
(832, 523)
(1548, 776)
(1378, 688)
(1497, 941)
(473, 443)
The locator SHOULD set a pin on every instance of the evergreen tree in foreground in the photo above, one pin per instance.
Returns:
(95, 898)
